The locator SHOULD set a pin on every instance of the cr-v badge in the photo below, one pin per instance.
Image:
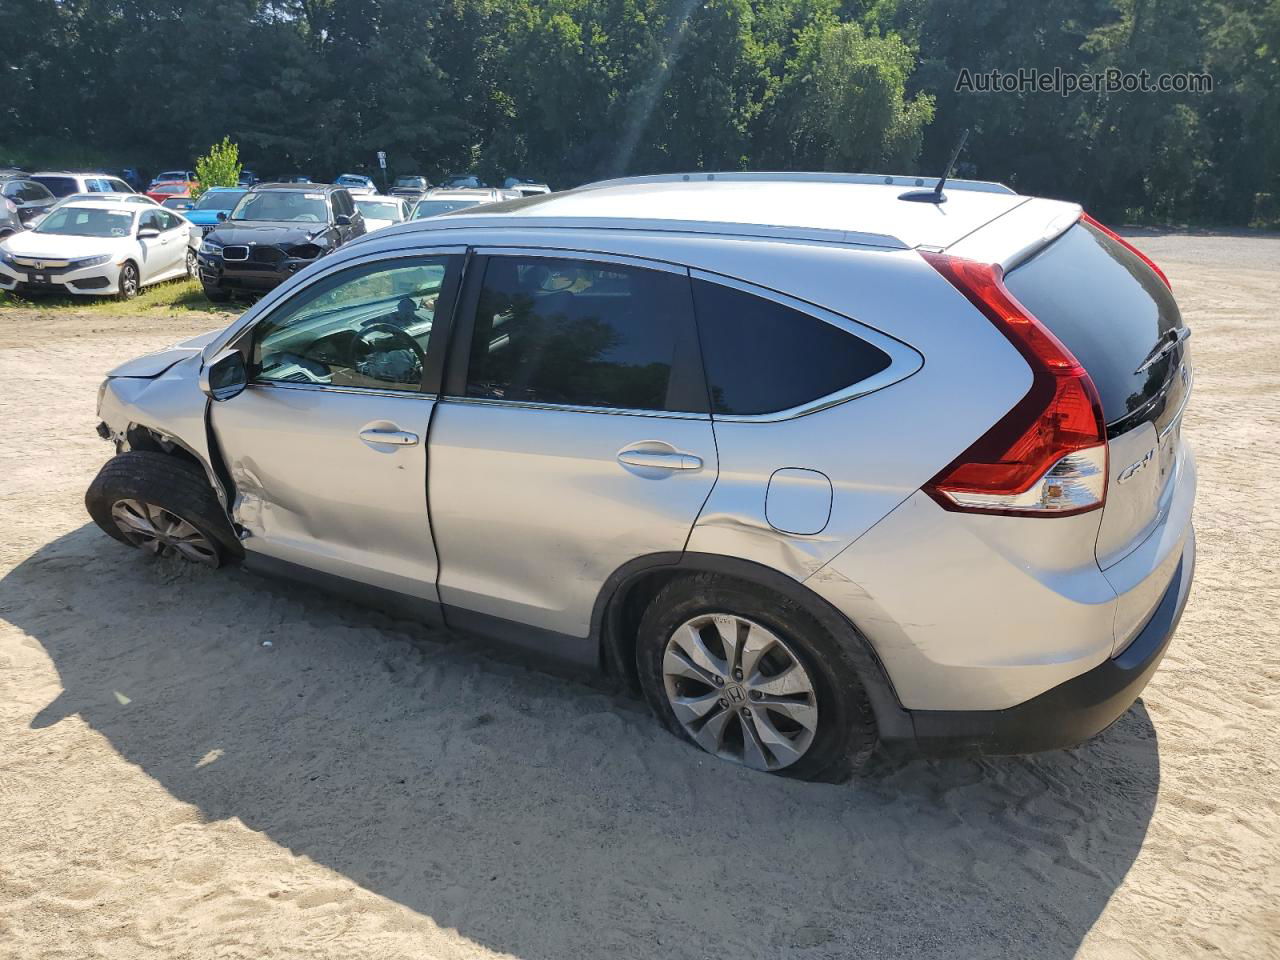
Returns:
(1133, 469)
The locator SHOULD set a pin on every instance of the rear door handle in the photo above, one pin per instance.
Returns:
(663, 461)
(399, 438)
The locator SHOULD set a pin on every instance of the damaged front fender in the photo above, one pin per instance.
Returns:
(168, 405)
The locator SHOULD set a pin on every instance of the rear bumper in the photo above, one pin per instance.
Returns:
(1071, 712)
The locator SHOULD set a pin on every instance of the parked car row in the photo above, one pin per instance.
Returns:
(246, 238)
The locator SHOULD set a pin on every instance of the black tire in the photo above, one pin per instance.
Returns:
(846, 732)
(130, 281)
(169, 482)
(215, 293)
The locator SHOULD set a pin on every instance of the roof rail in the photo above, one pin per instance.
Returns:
(478, 218)
(879, 179)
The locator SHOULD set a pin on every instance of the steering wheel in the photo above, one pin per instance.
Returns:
(402, 340)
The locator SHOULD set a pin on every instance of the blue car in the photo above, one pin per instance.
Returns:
(204, 211)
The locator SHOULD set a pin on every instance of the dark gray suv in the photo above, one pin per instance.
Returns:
(274, 231)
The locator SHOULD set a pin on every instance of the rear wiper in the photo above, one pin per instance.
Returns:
(1167, 343)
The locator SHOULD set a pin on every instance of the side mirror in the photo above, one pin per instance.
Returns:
(222, 214)
(224, 376)
(343, 220)
(148, 233)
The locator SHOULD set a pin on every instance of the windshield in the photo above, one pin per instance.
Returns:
(87, 222)
(351, 180)
(293, 205)
(169, 188)
(171, 175)
(222, 200)
(379, 209)
(433, 208)
(409, 181)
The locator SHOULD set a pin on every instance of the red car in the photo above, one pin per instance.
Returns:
(162, 191)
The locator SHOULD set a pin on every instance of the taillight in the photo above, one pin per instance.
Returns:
(1128, 246)
(1048, 455)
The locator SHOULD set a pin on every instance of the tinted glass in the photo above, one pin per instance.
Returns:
(33, 192)
(433, 208)
(366, 327)
(574, 332)
(59, 186)
(219, 200)
(762, 357)
(1110, 310)
(118, 186)
(85, 222)
(282, 205)
(12, 188)
(379, 209)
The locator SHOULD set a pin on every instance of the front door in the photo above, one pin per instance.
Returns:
(327, 447)
(574, 438)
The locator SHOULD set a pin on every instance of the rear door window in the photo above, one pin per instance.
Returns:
(763, 357)
(1110, 310)
(584, 333)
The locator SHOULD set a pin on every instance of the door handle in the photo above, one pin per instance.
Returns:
(661, 460)
(399, 438)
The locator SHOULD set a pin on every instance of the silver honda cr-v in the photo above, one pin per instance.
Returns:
(811, 463)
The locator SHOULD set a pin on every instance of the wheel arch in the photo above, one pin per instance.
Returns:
(628, 590)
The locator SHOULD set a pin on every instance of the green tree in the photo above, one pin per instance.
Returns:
(220, 167)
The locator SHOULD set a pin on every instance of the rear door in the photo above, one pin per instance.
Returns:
(574, 437)
(327, 447)
(1122, 323)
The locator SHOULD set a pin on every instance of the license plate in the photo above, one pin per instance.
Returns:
(40, 277)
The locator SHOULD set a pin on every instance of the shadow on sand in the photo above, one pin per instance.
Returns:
(529, 811)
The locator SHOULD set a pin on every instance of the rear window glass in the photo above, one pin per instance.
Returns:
(1110, 310)
(763, 357)
(59, 186)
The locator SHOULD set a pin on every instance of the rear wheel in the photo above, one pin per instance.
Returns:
(162, 505)
(129, 281)
(753, 678)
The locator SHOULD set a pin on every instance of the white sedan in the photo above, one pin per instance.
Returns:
(381, 211)
(96, 247)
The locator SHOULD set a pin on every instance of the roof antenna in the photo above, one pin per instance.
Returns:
(935, 195)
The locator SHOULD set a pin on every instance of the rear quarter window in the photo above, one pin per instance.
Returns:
(763, 357)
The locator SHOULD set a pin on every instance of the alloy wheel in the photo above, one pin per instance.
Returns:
(128, 282)
(739, 691)
(157, 530)
(193, 265)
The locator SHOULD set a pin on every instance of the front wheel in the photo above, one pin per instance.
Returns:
(193, 265)
(163, 506)
(753, 678)
(129, 282)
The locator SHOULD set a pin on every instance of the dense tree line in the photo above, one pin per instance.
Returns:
(571, 90)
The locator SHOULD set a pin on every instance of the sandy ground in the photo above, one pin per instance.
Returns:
(169, 787)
